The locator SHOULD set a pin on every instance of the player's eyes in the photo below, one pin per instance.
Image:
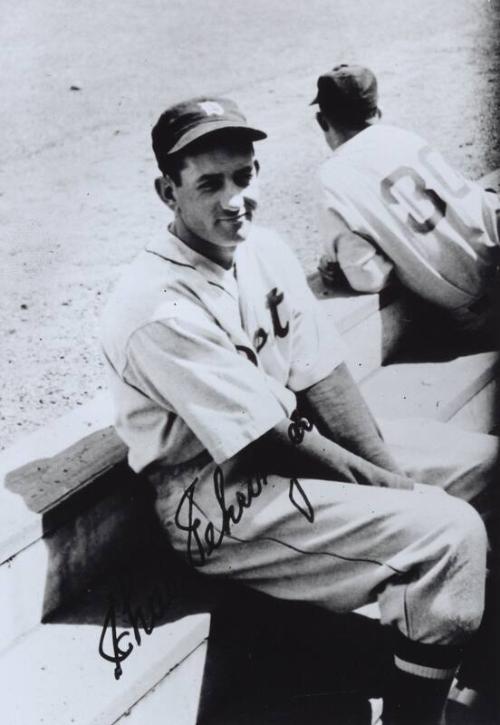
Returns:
(243, 178)
(210, 185)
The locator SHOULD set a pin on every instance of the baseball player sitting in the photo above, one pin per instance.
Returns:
(391, 205)
(234, 401)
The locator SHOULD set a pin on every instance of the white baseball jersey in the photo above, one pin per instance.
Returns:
(438, 229)
(204, 359)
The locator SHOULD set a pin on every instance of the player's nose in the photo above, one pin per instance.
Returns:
(235, 199)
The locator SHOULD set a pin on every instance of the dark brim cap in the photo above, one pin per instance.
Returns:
(216, 125)
(188, 121)
(348, 92)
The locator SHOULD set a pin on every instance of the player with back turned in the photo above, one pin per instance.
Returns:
(390, 204)
(216, 351)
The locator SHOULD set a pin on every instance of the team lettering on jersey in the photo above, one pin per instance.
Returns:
(274, 298)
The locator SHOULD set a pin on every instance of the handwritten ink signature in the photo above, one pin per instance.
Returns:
(299, 424)
(115, 646)
(202, 543)
(110, 642)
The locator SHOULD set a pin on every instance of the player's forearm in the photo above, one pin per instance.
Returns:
(338, 410)
(316, 457)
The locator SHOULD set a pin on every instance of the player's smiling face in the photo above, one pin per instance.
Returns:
(217, 198)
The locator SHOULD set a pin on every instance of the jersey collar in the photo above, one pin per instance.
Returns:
(173, 249)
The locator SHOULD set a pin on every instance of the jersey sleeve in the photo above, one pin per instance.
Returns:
(346, 241)
(337, 215)
(365, 268)
(190, 366)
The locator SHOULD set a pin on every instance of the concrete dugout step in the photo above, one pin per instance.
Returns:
(372, 326)
(57, 676)
(97, 657)
(62, 519)
(258, 648)
(71, 514)
(30, 576)
(460, 389)
(174, 700)
(103, 528)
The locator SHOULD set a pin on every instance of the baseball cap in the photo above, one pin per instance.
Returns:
(348, 93)
(189, 120)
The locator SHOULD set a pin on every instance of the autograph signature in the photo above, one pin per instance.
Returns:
(115, 646)
(110, 642)
(202, 543)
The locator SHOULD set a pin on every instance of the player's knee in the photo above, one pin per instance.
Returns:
(465, 575)
(448, 519)
(465, 529)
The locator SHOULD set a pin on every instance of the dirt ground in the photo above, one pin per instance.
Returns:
(84, 82)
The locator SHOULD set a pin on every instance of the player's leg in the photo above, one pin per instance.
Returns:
(467, 465)
(464, 463)
(341, 546)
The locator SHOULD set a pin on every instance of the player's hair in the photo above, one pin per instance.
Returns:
(172, 164)
(344, 123)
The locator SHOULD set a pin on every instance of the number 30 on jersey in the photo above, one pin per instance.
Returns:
(416, 200)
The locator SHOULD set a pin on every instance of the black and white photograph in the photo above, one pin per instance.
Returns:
(250, 322)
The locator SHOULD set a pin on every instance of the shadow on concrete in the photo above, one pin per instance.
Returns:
(432, 336)
(268, 661)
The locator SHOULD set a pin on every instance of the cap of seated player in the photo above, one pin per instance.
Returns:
(348, 94)
(186, 122)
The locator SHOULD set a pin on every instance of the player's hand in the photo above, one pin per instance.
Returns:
(331, 272)
(393, 480)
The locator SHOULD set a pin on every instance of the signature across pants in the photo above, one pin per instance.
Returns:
(420, 553)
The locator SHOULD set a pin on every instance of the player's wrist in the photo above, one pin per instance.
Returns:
(403, 483)
(331, 272)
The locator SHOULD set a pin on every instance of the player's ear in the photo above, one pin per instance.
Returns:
(256, 165)
(323, 123)
(165, 190)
